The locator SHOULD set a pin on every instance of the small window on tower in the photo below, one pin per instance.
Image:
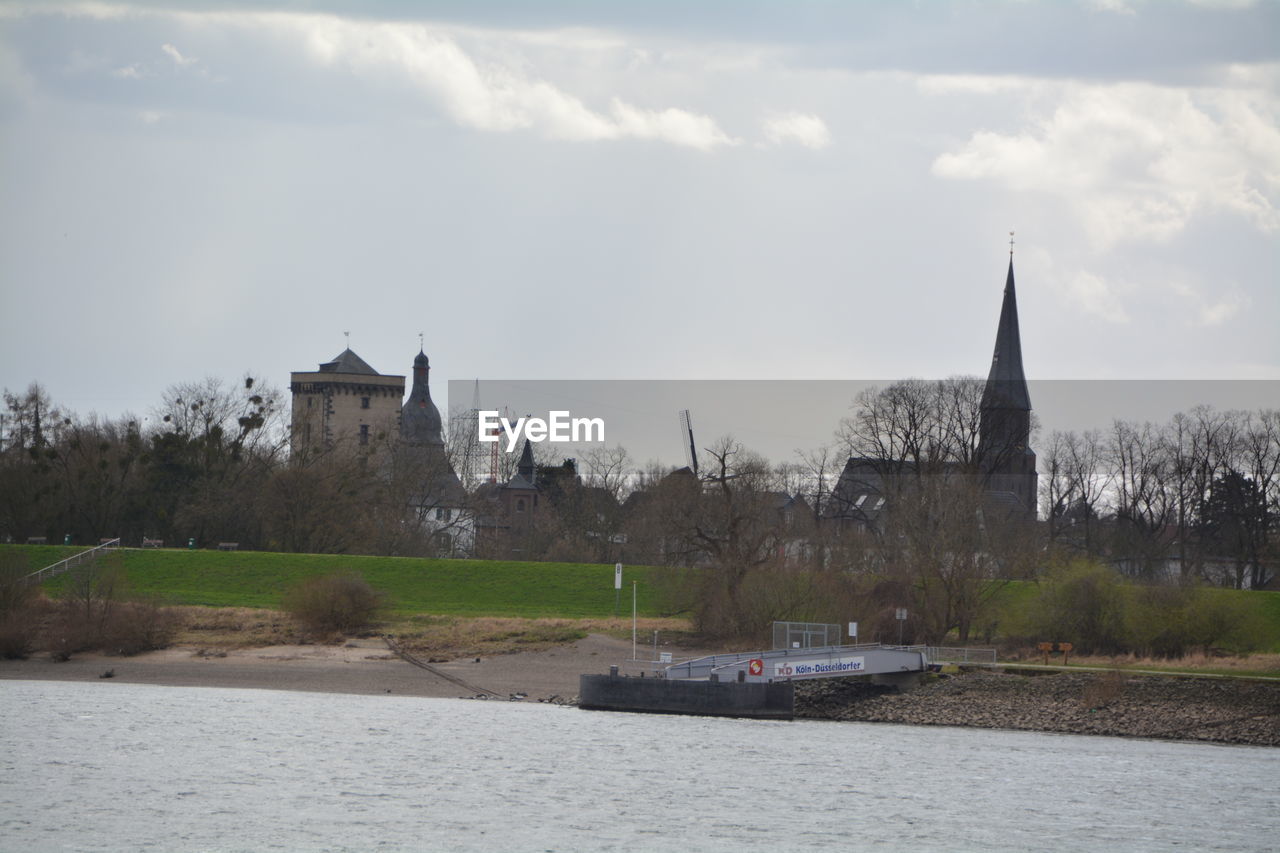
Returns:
(364, 402)
(520, 505)
(442, 514)
(364, 433)
(310, 400)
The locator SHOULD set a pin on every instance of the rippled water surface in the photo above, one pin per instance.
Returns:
(126, 767)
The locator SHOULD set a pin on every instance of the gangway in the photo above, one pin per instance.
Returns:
(802, 664)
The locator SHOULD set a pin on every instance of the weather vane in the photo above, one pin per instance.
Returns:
(348, 337)
(1011, 244)
(420, 341)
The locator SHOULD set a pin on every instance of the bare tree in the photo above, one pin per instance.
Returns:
(1145, 505)
(217, 444)
(1074, 484)
(100, 464)
(30, 430)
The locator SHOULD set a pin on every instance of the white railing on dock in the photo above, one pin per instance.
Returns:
(959, 655)
(52, 571)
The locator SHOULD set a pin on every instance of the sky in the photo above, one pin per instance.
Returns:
(634, 190)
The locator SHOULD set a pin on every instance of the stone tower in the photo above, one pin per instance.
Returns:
(344, 400)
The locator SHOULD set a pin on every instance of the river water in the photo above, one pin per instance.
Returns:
(131, 767)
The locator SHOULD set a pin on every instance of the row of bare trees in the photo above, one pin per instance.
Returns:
(1195, 498)
(182, 474)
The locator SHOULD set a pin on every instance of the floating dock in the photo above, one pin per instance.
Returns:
(758, 684)
(757, 700)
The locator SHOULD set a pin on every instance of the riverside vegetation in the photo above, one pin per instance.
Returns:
(242, 598)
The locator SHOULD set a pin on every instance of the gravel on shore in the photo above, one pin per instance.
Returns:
(1202, 709)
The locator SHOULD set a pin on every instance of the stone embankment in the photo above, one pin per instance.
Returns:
(1202, 709)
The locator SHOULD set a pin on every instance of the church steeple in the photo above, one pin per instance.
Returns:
(420, 419)
(1004, 427)
(525, 468)
(1006, 383)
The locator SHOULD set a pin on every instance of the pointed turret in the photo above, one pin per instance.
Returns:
(526, 468)
(420, 419)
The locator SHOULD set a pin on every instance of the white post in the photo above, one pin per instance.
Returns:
(633, 620)
(617, 587)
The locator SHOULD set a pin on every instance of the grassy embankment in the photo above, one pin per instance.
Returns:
(259, 579)
(483, 606)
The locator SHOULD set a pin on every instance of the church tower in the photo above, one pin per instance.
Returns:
(420, 419)
(436, 496)
(1007, 460)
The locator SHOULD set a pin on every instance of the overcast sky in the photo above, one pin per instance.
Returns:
(568, 190)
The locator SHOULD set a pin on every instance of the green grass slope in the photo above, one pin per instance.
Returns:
(412, 585)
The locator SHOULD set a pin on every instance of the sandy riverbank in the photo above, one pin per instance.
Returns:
(363, 666)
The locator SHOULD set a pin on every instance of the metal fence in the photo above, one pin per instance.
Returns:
(956, 655)
(42, 575)
(805, 635)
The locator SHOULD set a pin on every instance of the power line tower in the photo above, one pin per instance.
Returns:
(478, 461)
(470, 453)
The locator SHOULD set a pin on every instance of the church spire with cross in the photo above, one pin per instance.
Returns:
(1005, 422)
(1006, 381)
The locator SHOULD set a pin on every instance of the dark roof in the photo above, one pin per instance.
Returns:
(420, 419)
(348, 362)
(526, 468)
(1006, 383)
(519, 481)
(442, 490)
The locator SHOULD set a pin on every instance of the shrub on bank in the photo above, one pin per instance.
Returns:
(139, 626)
(1084, 604)
(1087, 605)
(336, 602)
(18, 623)
(17, 635)
(120, 628)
